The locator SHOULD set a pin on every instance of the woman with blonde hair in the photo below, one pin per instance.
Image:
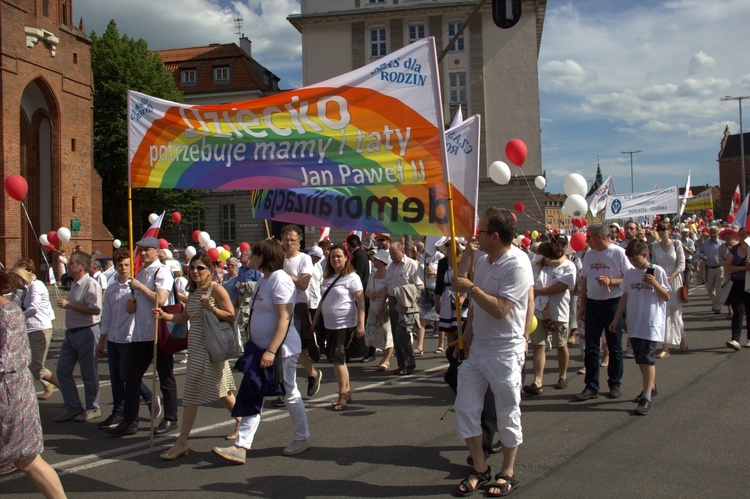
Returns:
(38, 312)
(668, 254)
(205, 381)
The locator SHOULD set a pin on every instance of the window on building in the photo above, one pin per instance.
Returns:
(188, 76)
(416, 32)
(221, 74)
(378, 42)
(227, 222)
(199, 221)
(453, 28)
(377, 1)
(457, 87)
(45, 8)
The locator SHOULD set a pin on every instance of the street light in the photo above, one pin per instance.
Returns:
(742, 139)
(631, 166)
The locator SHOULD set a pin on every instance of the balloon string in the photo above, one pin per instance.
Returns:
(533, 196)
(44, 255)
(524, 212)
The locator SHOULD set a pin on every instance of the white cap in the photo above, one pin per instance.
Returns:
(316, 251)
(383, 256)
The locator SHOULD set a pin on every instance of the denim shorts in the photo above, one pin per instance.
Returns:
(644, 351)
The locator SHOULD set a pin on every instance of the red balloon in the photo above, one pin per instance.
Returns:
(585, 221)
(526, 242)
(515, 218)
(48, 247)
(730, 218)
(244, 246)
(710, 212)
(657, 218)
(196, 233)
(519, 207)
(213, 254)
(706, 230)
(578, 241)
(516, 151)
(16, 187)
(577, 223)
(176, 217)
(226, 247)
(527, 233)
(163, 243)
(622, 234)
(556, 232)
(52, 238)
(710, 219)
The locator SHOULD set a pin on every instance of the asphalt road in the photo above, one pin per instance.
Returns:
(398, 439)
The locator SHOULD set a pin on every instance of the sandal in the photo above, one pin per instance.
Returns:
(662, 354)
(482, 479)
(340, 404)
(384, 366)
(683, 346)
(509, 485)
(418, 352)
(440, 350)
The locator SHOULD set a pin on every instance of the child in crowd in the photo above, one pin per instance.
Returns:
(645, 294)
(541, 303)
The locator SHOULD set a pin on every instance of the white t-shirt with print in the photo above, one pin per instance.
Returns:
(611, 263)
(647, 314)
(296, 266)
(278, 289)
(559, 304)
(340, 307)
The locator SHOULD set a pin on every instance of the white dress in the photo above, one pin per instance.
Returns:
(673, 260)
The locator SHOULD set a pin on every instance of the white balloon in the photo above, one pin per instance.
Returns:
(116, 243)
(204, 238)
(576, 206)
(520, 239)
(153, 218)
(64, 234)
(211, 244)
(575, 184)
(540, 182)
(500, 172)
(190, 251)
(43, 239)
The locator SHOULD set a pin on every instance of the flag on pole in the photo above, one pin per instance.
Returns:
(598, 200)
(741, 217)
(458, 118)
(685, 195)
(152, 231)
(735, 202)
(325, 232)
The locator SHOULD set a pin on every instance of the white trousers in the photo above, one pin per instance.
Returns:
(503, 374)
(294, 403)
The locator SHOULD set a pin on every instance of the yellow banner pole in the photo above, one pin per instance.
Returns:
(454, 262)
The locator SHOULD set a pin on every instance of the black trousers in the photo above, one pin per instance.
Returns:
(141, 354)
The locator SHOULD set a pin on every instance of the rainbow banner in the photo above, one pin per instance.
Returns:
(417, 209)
(380, 125)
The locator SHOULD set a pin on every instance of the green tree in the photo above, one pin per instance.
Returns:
(120, 64)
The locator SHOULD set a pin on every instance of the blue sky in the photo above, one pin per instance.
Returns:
(615, 75)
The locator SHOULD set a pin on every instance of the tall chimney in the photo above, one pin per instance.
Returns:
(246, 45)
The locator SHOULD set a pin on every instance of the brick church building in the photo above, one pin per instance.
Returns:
(46, 130)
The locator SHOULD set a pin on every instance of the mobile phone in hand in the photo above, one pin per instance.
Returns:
(650, 271)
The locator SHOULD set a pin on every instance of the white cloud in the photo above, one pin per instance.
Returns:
(560, 74)
(700, 62)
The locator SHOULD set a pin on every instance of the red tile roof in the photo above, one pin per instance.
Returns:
(244, 73)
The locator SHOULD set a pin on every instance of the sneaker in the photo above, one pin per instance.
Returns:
(157, 409)
(629, 353)
(230, 454)
(68, 415)
(561, 383)
(587, 394)
(111, 422)
(296, 447)
(654, 393)
(88, 415)
(644, 407)
(614, 392)
(733, 344)
(747, 345)
(313, 383)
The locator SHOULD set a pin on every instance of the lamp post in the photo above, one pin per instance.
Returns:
(742, 140)
(631, 166)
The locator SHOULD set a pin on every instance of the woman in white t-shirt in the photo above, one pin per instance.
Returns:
(343, 311)
(272, 328)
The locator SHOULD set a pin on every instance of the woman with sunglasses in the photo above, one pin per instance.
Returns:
(343, 311)
(272, 328)
(205, 381)
(667, 253)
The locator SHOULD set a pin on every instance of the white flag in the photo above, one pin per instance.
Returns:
(598, 200)
(684, 196)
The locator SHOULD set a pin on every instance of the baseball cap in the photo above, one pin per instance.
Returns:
(561, 239)
(316, 251)
(615, 224)
(148, 242)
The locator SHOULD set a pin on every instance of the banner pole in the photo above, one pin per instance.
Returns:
(454, 262)
(154, 396)
(268, 230)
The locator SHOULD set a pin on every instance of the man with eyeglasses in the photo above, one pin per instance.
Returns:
(709, 255)
(299, 266)
(604, 266)
(152, 284)
(82, 307)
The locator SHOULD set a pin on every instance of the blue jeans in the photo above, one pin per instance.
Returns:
(599, 315)
(117, 355)
(79, 348)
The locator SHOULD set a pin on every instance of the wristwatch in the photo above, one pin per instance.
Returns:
(470, 290)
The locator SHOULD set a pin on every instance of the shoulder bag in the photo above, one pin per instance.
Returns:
(223, 340)
(683, 292)
(173, 337)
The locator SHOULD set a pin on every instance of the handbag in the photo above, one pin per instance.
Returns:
(724, 291)
(172, 337)
(223, 340)
(683, 292)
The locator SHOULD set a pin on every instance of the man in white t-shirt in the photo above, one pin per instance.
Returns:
(603, 268)
(299, 266)
(313, 292)
(494, 346)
